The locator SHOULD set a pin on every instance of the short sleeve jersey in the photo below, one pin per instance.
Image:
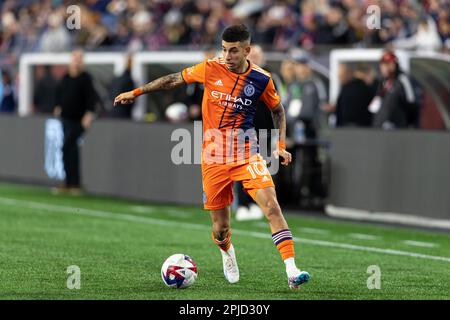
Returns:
(230, 99)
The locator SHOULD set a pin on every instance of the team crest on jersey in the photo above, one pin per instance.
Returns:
(249, 90)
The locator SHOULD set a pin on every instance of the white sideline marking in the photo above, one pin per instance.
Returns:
(313, 230)
(262, 224)
(142, 209)
(127, 217)
(419, 243)
(364, 215)
(168, 211)
(363, 236)
(177, 213)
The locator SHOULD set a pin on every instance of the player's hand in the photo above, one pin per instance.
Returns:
(286, 156)
(125, 98)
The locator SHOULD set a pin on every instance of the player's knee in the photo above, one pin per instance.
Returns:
(272, 209)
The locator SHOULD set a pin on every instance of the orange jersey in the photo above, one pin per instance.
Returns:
(230, 101)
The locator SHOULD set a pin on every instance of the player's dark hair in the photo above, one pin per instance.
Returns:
(236, 33)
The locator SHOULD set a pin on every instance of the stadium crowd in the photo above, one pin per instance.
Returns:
(29, 25)
(277, 25)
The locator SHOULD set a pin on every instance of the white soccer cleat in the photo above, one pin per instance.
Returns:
(230, 267)
(297, 278)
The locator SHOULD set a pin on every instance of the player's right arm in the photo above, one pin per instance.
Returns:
(164, 83)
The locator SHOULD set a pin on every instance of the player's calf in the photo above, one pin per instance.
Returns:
(285, 245)
(281, 235)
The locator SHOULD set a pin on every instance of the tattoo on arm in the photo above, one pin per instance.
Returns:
(164, 83)
(279, 121)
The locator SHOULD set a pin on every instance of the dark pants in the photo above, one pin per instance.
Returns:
(306, 171)
(71, 155)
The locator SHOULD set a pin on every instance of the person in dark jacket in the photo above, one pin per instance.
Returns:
(354, 99)
(121, 84)
(45, 92)
(8, 101)
(395, 104)
(75, 101)
(303, 124)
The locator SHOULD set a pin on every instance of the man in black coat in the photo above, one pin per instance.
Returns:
(75, 101)
(354, 99)
(121, 84)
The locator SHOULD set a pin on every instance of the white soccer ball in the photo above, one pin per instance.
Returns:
(179, 271)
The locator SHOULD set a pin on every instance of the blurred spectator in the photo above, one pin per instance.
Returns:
(443, 21)
(8, 101)
(335, 28)
(56, 38)
(288, 80)
(75, 102)
(122, 35)
(280, 24)
(426, 38)
(1, 90)
(355, 96)
(122, 83)
(139, 25)
(93, 32)
(303, 114)
(44, 96)
(307, 97)
(395, 104)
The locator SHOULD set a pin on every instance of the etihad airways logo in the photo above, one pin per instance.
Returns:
(225, 96)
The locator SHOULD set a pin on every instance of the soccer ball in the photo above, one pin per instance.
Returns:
(179, 271)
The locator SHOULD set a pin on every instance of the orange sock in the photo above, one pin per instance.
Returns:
(225, 243)
(285, 244)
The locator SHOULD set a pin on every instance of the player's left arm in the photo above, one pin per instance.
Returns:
(279, 120)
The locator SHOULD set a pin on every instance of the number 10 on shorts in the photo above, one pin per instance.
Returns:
(257, 168)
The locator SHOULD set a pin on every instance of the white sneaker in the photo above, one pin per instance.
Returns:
(242, 214)
(297, 278)
(256, 212)
(230, 267)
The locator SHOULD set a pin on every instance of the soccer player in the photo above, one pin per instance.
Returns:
(233, 85)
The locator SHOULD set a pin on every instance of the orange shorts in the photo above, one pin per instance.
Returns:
(218, 181)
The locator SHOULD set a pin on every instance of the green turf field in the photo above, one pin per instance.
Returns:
(120, 246)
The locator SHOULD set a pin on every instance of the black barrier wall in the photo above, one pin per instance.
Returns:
(406, 172)
(119, 158)
(133, 160)
(401, 171)
(22, 147)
